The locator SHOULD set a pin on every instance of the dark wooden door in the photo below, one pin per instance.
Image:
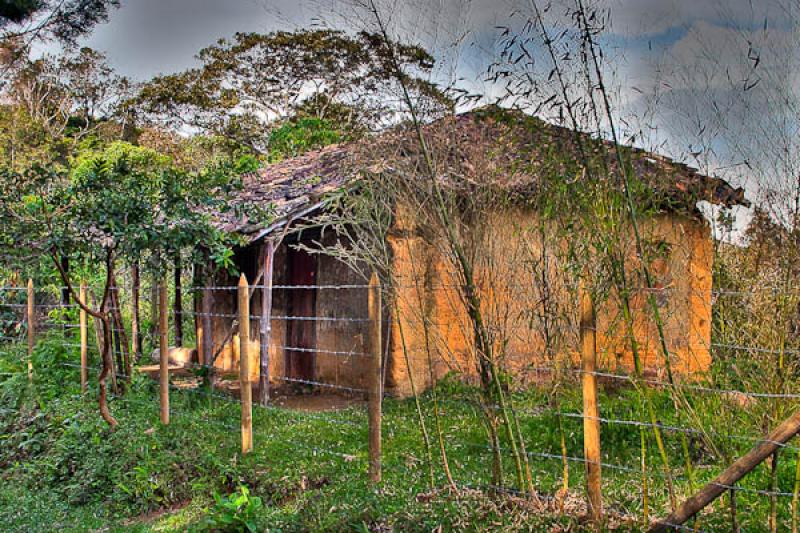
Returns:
(300, 363)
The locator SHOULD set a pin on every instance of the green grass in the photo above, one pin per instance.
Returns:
(61, 468)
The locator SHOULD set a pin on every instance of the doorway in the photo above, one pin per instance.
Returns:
(301, 334)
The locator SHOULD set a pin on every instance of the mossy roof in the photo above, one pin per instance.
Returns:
(512, 150)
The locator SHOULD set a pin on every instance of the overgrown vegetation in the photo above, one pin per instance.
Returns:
(63, 469)
(102, 179)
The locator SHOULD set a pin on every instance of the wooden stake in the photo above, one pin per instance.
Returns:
(163, 346)
(208, 340)
(31, 329)
(265, 329)
(84, 342)
(197, 310)
(245, 387)
(741, 467)
(376, 383)
(591, 421)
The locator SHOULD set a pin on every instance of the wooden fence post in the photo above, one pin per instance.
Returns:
(736, 471)
(591, 415)
(245, 387)
(375, 382)
(208, 341)
(265, 328)
(31, 328)
(163, 346)
(84, 341)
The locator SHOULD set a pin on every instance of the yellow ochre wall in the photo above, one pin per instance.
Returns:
(517, 257)
(511, 276)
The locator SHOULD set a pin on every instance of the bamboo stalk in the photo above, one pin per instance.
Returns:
(431, 375)
(645, 487)
(208, 341)
(153, 332)
(796, 492)
(120, 336)
(422, 426)
(245, 387)
(136, 337)
(178, 303)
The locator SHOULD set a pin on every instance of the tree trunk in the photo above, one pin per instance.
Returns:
(178, 303)
(105, 355)
(206, 304)
(153, 331)
(197, 303)
(136, 336)
(120, 335)
(120, 368)
(65, 290)
(103, 342)
(265, 326)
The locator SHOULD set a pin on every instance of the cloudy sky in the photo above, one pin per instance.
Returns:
(681, 68)
(147, 37)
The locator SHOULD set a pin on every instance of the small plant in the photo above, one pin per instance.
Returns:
(234, 512)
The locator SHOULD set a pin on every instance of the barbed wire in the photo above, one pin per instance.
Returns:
(543, 454)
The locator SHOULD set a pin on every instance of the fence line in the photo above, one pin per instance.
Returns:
(523, 411)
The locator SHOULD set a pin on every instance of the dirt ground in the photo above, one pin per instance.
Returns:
(287, 396)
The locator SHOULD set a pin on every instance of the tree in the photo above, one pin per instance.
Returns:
(246, 85)
(116, 204)
(64, 20)
(95, 89)
(53, 104)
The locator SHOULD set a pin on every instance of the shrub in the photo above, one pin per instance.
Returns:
(234, 512)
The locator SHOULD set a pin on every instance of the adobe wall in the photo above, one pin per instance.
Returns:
(521, 270)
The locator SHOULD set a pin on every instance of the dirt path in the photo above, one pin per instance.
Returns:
(287, 396)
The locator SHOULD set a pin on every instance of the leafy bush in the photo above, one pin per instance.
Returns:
(234, 512)
(298, 137)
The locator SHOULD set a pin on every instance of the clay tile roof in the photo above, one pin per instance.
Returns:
(487, 141)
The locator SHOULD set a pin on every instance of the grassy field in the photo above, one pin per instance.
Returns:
(61, 468)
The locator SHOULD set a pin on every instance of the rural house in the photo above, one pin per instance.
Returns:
(327, 350)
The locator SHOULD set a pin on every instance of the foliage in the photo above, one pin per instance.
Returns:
(235, 512)
(25, 141)
(246, 84)
(119, 203)
(65, 20)
(55, 106)
(198, 152)
(61, 468)
(297, 137)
